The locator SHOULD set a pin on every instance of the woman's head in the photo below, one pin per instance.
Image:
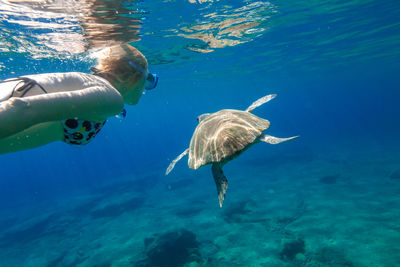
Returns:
(125, 68)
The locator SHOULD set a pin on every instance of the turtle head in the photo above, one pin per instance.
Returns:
(202, 117)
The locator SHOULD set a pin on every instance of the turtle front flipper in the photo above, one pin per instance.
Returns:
(172, 164)
(260, 101)
(274, 140)
(220, 181)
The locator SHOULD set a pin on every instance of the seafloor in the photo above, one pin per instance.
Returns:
(309, 207)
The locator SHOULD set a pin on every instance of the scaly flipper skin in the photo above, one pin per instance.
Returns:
(274, 140)
(220, 181)
(172, 164)
(260, 101)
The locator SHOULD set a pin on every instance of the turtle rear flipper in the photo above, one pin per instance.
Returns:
(274, 140)
(220, 181)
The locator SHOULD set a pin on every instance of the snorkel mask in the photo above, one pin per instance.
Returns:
(151, 79)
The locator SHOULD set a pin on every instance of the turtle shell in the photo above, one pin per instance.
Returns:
(223, 134)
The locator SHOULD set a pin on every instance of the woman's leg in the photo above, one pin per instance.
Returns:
(32, 137)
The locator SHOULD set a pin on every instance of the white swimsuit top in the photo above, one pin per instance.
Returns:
(53, 83)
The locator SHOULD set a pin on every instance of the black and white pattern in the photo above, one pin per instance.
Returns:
(80, 132)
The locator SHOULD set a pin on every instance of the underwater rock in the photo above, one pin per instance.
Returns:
(117, 209)
(286, 220)
(32, 231)
(395, 175)
(172, 249)
(292, 248)
(244, 211)
(7, 223)
(104, 264)
(239, 212)
(236, 212)
(83, 208)
(329, 179)
(332, 257)
(189, 212)
(56, 262)
(67, 260)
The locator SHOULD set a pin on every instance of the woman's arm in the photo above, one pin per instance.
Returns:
(94, 104)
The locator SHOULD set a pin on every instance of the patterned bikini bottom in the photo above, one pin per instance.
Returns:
(80, 132)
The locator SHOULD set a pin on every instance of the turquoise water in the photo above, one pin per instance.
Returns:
(328, 198)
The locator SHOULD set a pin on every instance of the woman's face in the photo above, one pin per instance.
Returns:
(134, 90)
(126, 69)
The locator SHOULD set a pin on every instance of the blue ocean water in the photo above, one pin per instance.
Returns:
(328, 198)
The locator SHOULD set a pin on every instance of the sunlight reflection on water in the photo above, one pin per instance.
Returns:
(302, 34)
(65, 28)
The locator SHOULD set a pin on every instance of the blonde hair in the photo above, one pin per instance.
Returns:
(121, 64)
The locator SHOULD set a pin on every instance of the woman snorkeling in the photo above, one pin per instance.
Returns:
(71, 107)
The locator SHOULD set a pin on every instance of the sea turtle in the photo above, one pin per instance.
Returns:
(224, 135)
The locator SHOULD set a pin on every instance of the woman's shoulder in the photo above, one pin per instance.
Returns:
(39, 84)
(58, 77)
(68, 81)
